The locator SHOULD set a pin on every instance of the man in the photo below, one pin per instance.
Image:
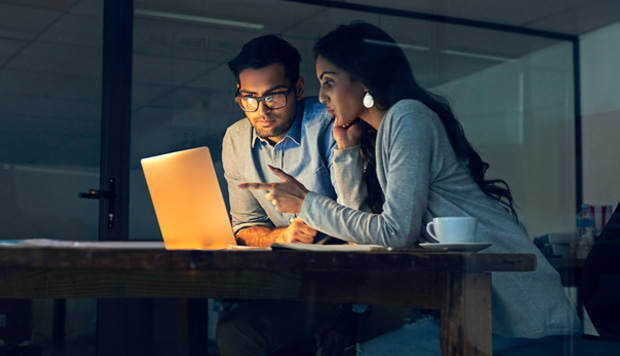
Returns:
(282, 130)
(294, 134)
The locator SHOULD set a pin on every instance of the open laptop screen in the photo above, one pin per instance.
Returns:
(188, 202)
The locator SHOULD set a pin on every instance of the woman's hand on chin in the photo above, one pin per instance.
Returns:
(348, 135)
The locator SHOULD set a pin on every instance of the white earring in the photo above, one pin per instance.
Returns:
(368, 100)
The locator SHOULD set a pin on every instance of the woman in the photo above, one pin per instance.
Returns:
(425, 168)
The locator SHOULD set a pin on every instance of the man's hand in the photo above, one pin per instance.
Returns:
(297, 232)
(286, 196)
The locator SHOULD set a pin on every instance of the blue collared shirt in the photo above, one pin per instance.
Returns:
(305, 153)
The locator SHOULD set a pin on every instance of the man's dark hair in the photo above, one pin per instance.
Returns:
(266, 50)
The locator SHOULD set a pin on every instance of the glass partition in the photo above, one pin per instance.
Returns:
(512, 92)
(50, 120)
(50, 111)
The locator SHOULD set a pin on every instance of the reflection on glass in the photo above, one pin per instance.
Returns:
(513, 93)
(50, 109)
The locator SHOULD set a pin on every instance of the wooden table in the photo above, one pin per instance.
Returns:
(457, 284)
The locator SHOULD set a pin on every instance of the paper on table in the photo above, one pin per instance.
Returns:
(247, 248)
(315, 247)
(138, 244)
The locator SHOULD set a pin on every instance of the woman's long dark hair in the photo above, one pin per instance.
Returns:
(372, 57)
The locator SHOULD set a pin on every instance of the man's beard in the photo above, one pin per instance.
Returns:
(272, 132)
(275, 131)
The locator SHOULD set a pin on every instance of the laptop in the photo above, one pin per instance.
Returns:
(188, 202)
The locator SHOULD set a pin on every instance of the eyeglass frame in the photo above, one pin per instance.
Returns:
(262, 99)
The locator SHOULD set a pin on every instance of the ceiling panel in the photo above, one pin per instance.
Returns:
(51, 85)
(217, 78)
(48, 146)
(255, 14)
(143, 93)
(167, 70)
(61, 109)
(65, 31)
(87, 7)
(8, 48)
(24, 23)
(60, 5)
(175, 40)
(24, 124)
(59, 59)
(312, 27)
(185, 107)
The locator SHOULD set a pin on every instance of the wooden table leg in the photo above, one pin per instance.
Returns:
(182, 328)
(192, 327)
(466, 315)
(124, 327)
(58, 324)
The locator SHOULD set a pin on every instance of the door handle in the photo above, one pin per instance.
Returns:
(96, 194)
(108, 195)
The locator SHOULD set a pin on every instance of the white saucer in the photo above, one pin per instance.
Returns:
(467, 247)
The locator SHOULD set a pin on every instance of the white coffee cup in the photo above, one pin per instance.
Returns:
(453, 230)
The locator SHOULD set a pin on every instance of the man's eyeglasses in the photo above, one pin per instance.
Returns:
(272, 101)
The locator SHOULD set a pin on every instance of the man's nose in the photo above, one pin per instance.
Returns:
(263, 109)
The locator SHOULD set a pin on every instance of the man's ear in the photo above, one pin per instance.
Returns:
(299, 88)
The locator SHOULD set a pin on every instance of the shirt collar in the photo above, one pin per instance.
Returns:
(294, 132)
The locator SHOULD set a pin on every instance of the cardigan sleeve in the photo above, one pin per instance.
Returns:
(348, 172)
(406, 143)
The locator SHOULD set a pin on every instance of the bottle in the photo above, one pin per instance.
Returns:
(585, 231)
